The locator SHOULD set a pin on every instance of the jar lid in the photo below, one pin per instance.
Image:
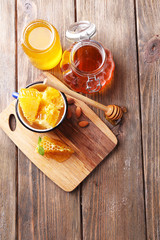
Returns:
(81, 30)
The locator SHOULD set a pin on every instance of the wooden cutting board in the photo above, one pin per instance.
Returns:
(91, 145)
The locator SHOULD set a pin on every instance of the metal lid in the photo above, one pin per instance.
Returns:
(81, 30)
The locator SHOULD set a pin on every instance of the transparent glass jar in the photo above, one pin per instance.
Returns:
(41, 43)
(86, 66)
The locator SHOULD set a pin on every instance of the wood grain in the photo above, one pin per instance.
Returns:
(7, 149)
(43, 207)
(91, 145)
(148, 25)
(112, 197)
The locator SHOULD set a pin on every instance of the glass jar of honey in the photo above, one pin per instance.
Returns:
(41, 42)
(87, 67)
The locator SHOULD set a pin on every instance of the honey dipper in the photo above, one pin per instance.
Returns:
(112, 112)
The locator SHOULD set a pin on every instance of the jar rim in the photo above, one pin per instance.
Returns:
(87, 42)
(32, 23)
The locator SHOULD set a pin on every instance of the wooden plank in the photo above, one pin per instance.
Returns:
(8, 149)
(148, 25)
(112, 197)
(45, 211)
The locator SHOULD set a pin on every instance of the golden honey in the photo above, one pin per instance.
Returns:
(39, 122)
(87, 66)
(42, 45)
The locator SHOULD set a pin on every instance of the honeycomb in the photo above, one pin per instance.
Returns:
(48, 116)
(51, 145)
(29, 100)
(52, 95)
(41, 108)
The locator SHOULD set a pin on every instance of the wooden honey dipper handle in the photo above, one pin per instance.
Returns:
(54, 82)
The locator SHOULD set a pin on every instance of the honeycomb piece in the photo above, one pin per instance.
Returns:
(41, 110)
(29, 100)
(48, 116)
(52, 95)
(52, 115)
(58, 102)
(51, 145)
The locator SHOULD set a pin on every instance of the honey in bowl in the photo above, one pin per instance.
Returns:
(41, 108)
(41, 43)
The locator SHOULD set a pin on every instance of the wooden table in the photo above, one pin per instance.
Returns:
(120, 199)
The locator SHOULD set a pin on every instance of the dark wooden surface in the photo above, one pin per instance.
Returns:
(148, 26)
(120, 199)
(8, 152)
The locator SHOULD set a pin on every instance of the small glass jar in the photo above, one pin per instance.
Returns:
(41, 43)
(87, 67)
